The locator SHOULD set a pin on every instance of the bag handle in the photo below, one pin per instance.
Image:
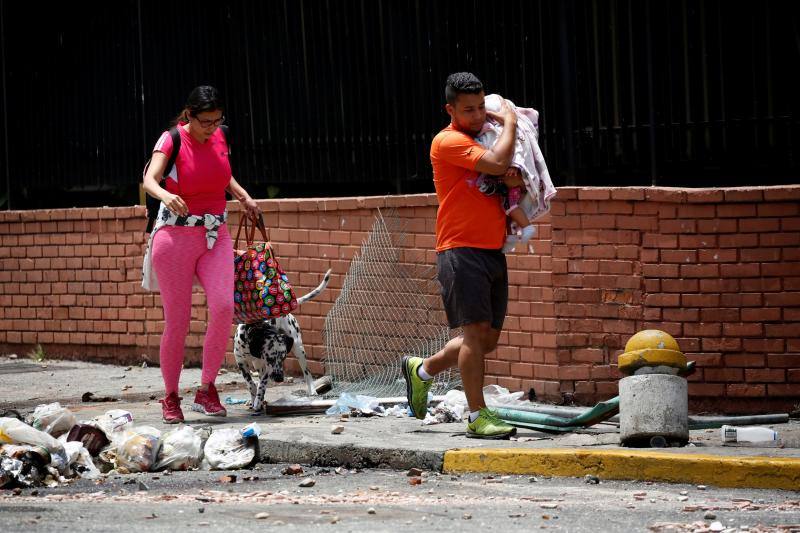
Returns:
(250, 224)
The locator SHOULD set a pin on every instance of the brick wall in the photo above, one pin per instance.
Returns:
(718, 269)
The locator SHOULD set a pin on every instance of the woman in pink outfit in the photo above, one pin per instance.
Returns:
(190, 243)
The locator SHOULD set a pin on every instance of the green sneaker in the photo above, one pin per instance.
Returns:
(488, 426)
(416, 388)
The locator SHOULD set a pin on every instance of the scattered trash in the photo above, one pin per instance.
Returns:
(709, 516)
(371, 510)
(114, 423)
(80, 460)
(308, 482)
(252, 430)
(13, 431)
(228, 478)
(336, 430)
(22, 465)
(226, 449)
(592, 480)
(467, 516)
(92, 438)
(230, 400)
(716, 526)
(415, 481)
(358, 405)
(414, 472)
(137, 450)
(90, 397)
(292, 470)
(398, 410)
(751, 434)
(261, 516)
(181, 449)
(141, 486)
(52, 418)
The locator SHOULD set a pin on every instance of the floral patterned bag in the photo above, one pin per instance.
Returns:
(261, 289)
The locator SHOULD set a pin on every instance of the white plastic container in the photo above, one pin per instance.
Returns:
(752, 434)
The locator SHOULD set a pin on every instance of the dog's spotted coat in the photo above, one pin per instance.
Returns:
(263, 346)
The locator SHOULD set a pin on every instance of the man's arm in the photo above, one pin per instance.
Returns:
(496, 160)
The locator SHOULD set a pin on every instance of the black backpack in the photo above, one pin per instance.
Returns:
(151, 203)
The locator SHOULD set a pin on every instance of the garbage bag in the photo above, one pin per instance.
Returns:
(181, 449)
(52, 418)
(137, 448)
(22, 465)
(13, 431)
(226, 449)
(114, 423)
(80, 460)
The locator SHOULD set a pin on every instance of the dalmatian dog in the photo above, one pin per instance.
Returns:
(263, 346)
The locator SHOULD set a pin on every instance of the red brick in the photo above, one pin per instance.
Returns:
(627, 193)
(594, 194)
(744, 195)
(764, 345)
(761, 315)
(718, 225)
(736, 211)
(738, 240)
(678, 256)
(678, 226)
(746, 360)
(759, 225)
(726, 344)
(700, 271)
(760, 254)
(665, 194)
(778, 209)
(783, 390)
(785, 299)
(764, 375)
(743, 270)
(706, 389)
(725, 375)
(743, 390)
(782, 193)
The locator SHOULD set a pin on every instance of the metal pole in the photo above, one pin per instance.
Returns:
(566, 90)
(5, 105)
(650, 103)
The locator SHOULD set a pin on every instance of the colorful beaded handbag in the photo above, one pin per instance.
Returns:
(261, 289)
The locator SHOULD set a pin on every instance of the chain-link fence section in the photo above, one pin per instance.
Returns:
(390, 306)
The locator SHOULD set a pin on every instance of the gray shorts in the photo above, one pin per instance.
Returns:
(474, 286)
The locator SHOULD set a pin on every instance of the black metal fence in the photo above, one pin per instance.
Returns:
(343, 97)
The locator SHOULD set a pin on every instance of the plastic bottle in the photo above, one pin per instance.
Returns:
(251, 430)
(748, 434)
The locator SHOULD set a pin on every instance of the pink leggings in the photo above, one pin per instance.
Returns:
(180, 253)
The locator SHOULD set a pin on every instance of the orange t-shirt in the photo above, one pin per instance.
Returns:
(466, 216)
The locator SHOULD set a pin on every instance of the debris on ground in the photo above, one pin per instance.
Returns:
(336, 430)
(358, 405)
(31, 456)
(90, 397)
(307, 482)
(293, 470)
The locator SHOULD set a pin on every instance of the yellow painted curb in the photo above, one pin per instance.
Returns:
(721, 471)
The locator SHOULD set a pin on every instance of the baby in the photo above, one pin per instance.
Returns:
(522, 229)
(513, 185)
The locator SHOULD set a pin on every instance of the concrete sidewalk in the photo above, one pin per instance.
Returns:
(404, 442)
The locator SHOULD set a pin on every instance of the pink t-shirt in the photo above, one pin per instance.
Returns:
(201, 171)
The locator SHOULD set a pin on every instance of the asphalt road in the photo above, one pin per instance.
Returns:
(384, 500)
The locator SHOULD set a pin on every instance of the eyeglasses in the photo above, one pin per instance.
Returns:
(209, 123)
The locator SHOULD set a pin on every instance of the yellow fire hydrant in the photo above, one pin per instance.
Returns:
(653, 397)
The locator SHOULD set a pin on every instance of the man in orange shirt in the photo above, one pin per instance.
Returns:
(470, 232)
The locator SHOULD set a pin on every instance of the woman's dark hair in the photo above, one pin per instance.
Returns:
(201, 99)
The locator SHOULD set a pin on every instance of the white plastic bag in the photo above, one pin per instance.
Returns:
(181, 449)
(80, 461)
(53, 419)
(13, 431)
(226, 450)
(114, 422)
(360, 404)
(137, 448)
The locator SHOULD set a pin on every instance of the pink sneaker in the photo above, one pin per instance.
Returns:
(171, 409)
(207, 402)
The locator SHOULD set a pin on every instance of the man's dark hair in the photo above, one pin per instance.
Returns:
(459, 83)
